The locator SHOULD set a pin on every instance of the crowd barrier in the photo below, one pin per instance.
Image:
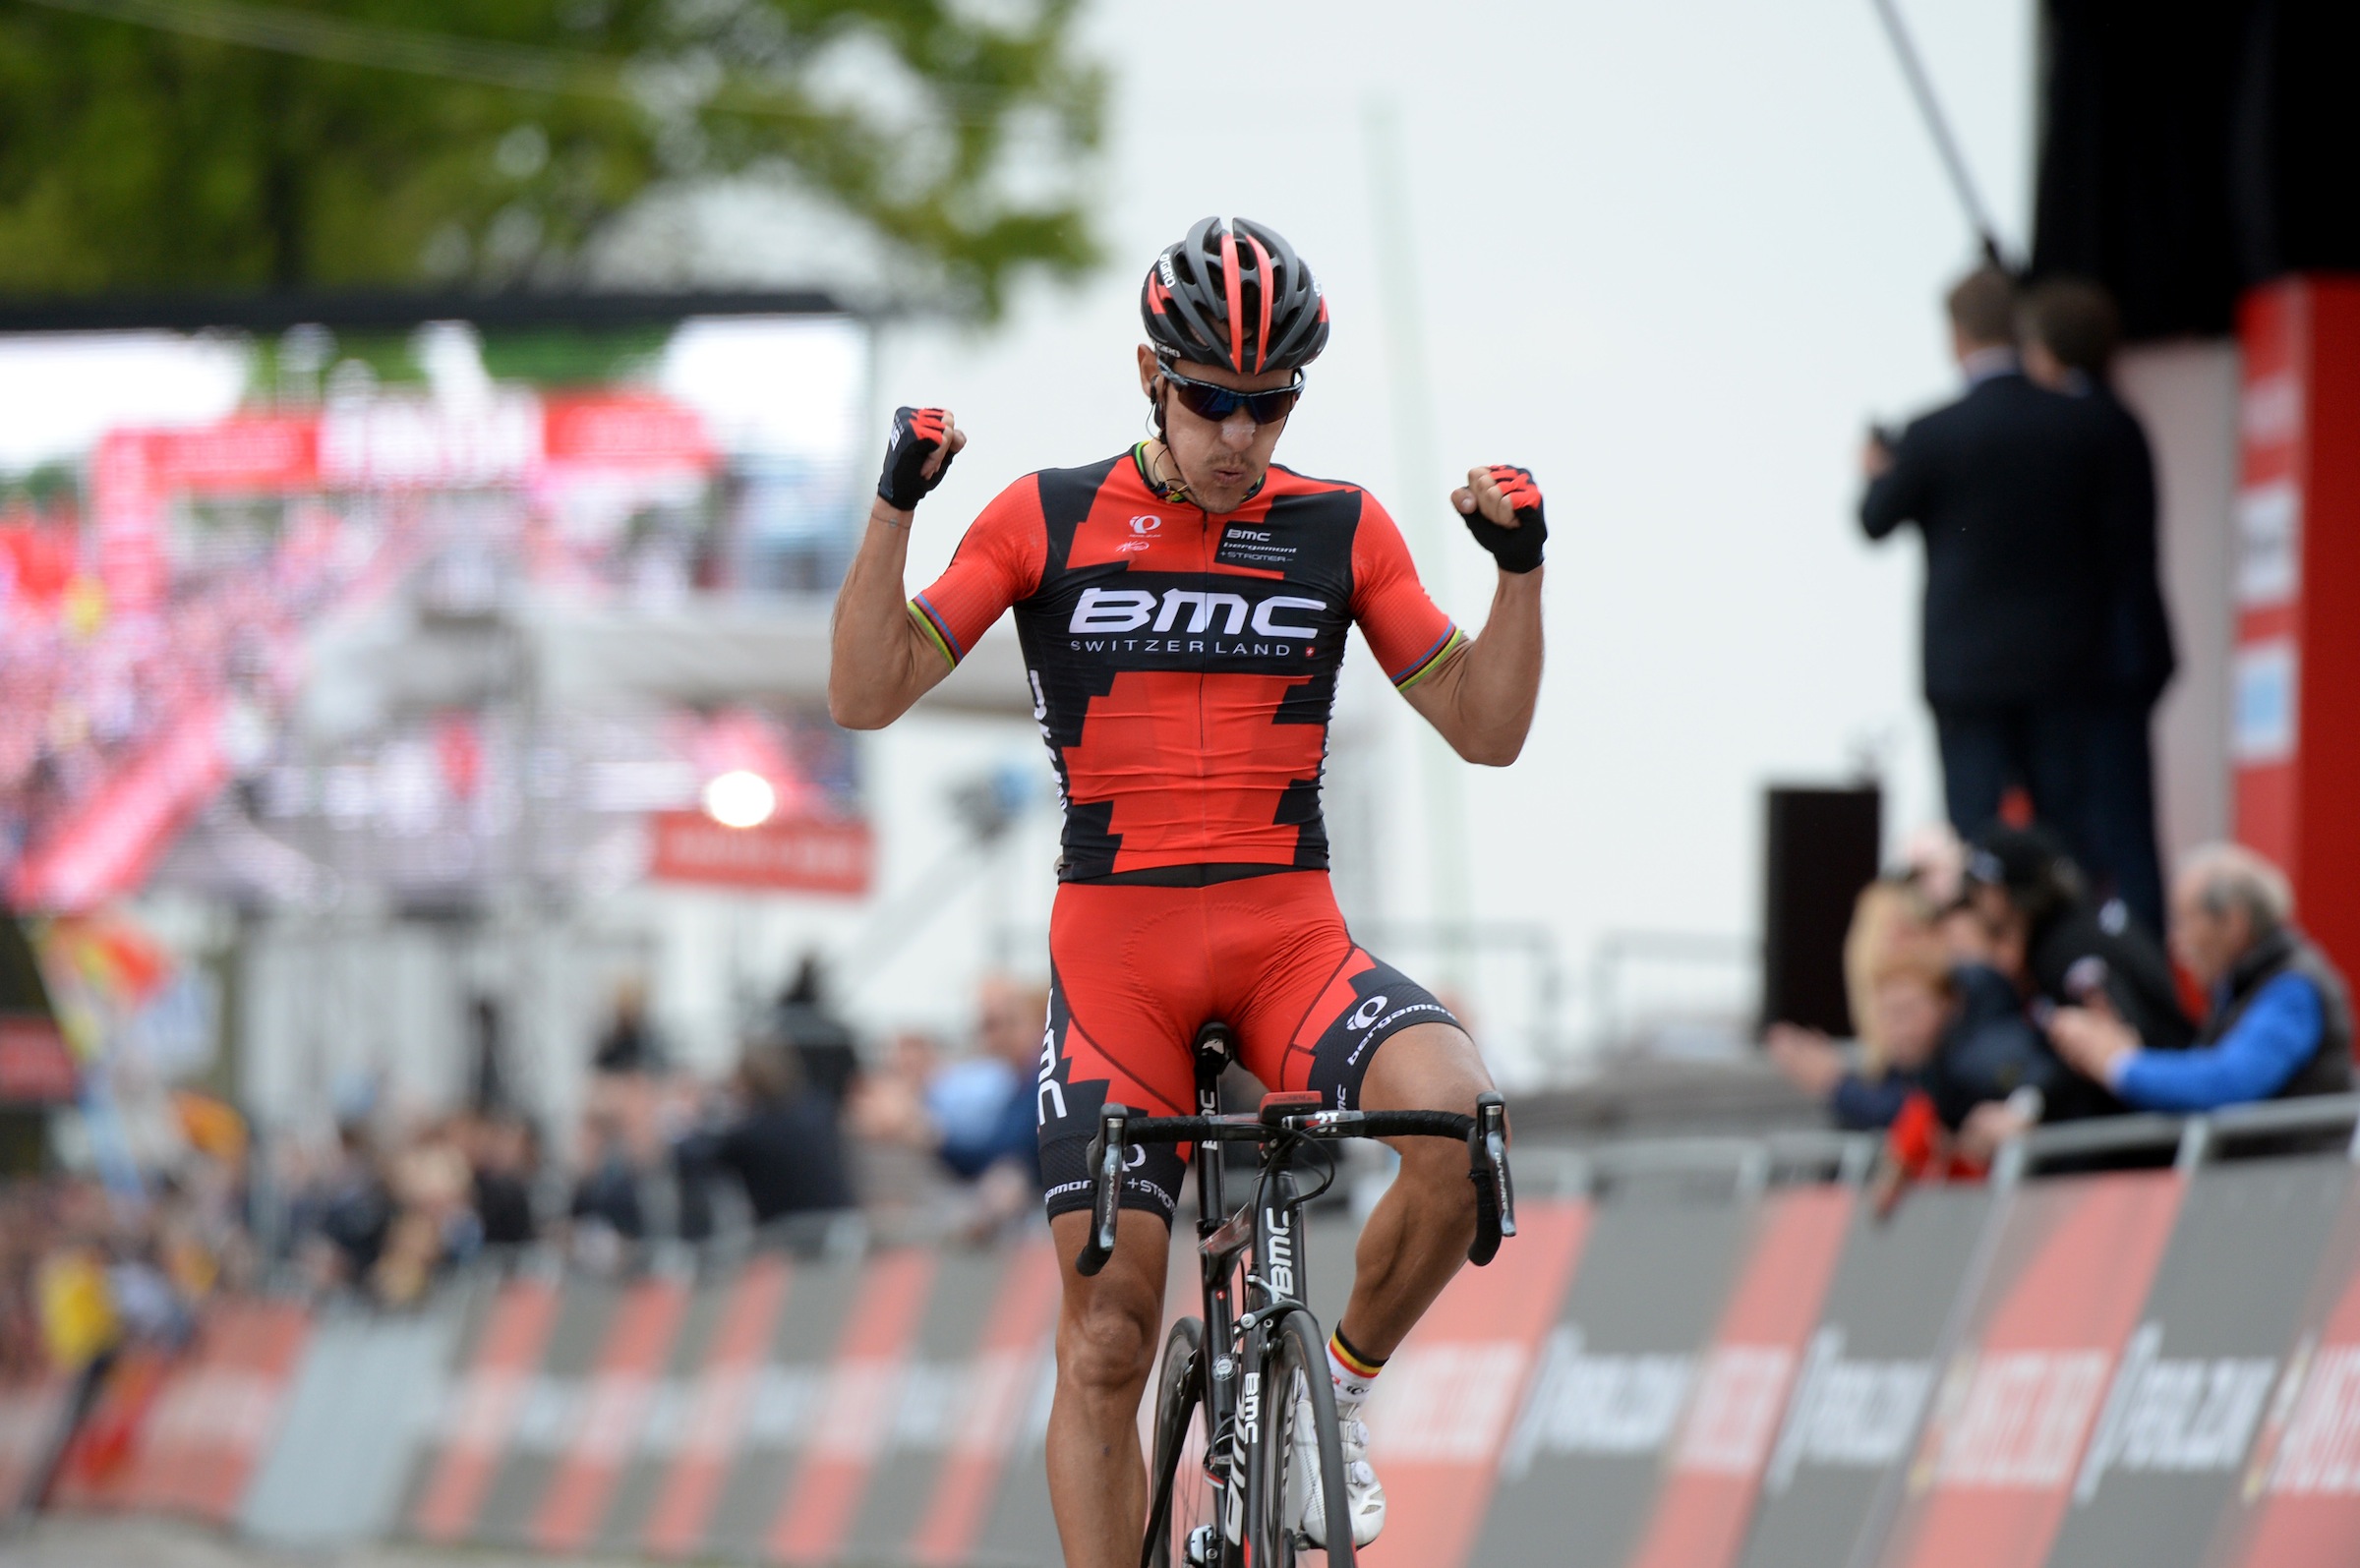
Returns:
(1682, 1363)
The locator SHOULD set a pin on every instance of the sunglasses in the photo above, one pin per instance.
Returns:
(1217, 403)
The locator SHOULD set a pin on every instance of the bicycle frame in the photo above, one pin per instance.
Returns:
(1268, 1232)
(1261, 1242)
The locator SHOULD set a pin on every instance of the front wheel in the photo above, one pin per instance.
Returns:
(1295, 1359)
(1183, 1501)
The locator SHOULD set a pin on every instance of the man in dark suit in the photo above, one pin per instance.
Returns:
(2070, 331)
(2007, 485)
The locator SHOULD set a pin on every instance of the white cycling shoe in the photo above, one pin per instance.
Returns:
(1364, 1494)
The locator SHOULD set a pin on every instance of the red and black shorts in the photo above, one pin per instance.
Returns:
(1135, 971)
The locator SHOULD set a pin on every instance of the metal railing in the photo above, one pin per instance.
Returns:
(1752, 1164)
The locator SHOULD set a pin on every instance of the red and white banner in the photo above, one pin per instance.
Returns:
(786, 854)
(109, 847)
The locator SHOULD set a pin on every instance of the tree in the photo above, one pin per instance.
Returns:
(153, 146)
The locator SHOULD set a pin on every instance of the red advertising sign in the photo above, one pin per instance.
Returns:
(1741, 1390)
(245, 453)
(1443, 1408)
(1996, 1464)
(35, 1067)
(626, 432)
(786, 854)
(2295, 701)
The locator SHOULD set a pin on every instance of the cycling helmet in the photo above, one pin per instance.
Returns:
(1234, 293)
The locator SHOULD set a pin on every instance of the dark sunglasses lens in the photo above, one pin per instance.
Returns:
(1217, 403)
(1268, 408)
(1207, 401)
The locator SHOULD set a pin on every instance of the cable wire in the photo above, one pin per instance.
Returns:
(1954, 161)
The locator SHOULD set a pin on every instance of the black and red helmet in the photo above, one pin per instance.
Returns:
(1234, 293)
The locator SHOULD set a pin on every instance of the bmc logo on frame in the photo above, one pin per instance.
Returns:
(1109, 610)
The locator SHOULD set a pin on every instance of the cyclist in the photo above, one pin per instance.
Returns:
(1183, 609)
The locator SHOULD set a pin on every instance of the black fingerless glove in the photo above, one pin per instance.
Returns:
(1517, 549)
(916, 434)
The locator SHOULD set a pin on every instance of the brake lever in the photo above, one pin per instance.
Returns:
(1487, 1168)
(1105, 1162)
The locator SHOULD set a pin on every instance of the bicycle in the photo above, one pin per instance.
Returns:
(1224, 1491)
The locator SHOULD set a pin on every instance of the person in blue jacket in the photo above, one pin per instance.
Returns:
(2280, 1023)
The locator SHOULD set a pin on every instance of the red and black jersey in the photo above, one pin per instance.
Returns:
(1182, 664)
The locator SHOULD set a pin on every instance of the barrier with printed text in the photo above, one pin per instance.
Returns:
(2153, 1366)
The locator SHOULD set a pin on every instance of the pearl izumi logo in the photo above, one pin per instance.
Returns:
(1366, 1013)
(1110, 610)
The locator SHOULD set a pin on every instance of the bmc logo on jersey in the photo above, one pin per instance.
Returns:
(1106, 610)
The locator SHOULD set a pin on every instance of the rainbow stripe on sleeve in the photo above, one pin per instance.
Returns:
(1427, 663)
(937, 630)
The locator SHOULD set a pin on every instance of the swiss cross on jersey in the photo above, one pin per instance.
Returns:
(1183, 666)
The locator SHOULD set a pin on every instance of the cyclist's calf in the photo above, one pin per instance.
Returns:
(1417, 1238)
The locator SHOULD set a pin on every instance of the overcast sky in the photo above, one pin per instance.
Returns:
(1673, 258)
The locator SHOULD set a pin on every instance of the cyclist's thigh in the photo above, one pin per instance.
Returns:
(1126, 994)
(1310, 1006)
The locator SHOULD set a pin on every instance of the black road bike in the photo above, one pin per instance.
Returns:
(1225, 1491)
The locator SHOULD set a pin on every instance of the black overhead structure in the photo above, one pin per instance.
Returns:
(2193, 148)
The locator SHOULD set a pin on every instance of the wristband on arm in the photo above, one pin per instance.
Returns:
(918, 432)
(1518, 548)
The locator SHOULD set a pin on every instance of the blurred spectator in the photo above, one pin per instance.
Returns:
(2006, 487)
(2060, 947)
(606, 1209)
(824, 1049)
(341, 1218)
(505, 1158)
(487, 1073)
(2070, 335)
(903, 1187)
(983, 1108)
(629, 1045)
(1895, 1014)
(2280, 1023)
(783, 1146)
(435, 1223)
(977, 1116)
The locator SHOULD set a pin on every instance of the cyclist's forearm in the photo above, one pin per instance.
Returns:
(1497, 681)
(878, 662)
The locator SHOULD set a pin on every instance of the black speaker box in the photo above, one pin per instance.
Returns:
(1821, 848)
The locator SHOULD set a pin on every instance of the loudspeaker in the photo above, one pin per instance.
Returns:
(1821, 848)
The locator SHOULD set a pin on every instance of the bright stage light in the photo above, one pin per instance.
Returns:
(740, 799)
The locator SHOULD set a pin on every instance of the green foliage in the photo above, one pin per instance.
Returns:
(488, 142)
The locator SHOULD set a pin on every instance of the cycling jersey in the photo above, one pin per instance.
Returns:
(1184, 665)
